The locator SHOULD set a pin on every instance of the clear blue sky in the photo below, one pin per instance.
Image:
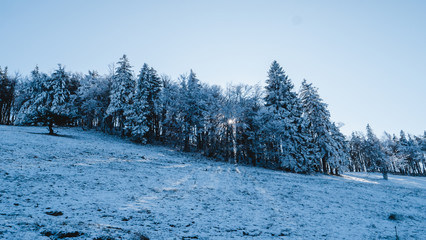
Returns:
(368, 58)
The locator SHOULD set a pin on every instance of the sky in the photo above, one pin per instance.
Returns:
(367, 58)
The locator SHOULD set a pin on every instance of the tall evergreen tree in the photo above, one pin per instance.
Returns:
(356, 152)
(339, 158)
(412, 155)
(283, 128)
(121, 94)
(149, 88)
(328, 144)
(389, 143)
(193, 107)
(375, 154)
(138, 112)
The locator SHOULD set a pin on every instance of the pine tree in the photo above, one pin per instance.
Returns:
(390, 148)
(356, 152)
(403, 152)
(138, 112)
(149, 88)
(326, 141)
(375, 154)
(192, 109)
(38, 81)
(283, 129)
(422, 150)
(339, 158)
(121, 94)
(414, 157)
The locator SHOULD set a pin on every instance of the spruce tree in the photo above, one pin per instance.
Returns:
(121, 94)
(412, 155)
(285, 138)
(328, 144)
(339, 158)
(375, 154)
(356, 144)
(149, 88)
(137, 114)
(192, 108)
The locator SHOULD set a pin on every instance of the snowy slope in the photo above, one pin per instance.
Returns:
(109, 187)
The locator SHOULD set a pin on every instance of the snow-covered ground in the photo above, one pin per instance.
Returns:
(103, 187)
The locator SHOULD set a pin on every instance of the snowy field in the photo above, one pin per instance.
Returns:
(88, 185)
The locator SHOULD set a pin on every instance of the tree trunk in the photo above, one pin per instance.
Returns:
(186, 147)
(324, 165)
(50, 125)
(385, 174)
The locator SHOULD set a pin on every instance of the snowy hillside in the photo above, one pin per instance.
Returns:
(88, 185)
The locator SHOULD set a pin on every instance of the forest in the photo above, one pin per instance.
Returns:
(273, 127)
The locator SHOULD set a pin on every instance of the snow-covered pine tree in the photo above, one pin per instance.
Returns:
(414, 157)
(403, 152)
(192, 109)
(423, 146)
(326, 141)
(51, 104)
(149, 86)
(339, 158)
(356, 145)
(122, 89)
(374, 153)
(389, 143)
(283, 128)
(318, 125)
(136, 115)
(38, 81)
(422, 149)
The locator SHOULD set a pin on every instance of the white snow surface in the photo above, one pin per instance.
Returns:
(111, 188)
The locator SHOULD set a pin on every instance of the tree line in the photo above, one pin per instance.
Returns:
(399, 155)
(274, 127)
